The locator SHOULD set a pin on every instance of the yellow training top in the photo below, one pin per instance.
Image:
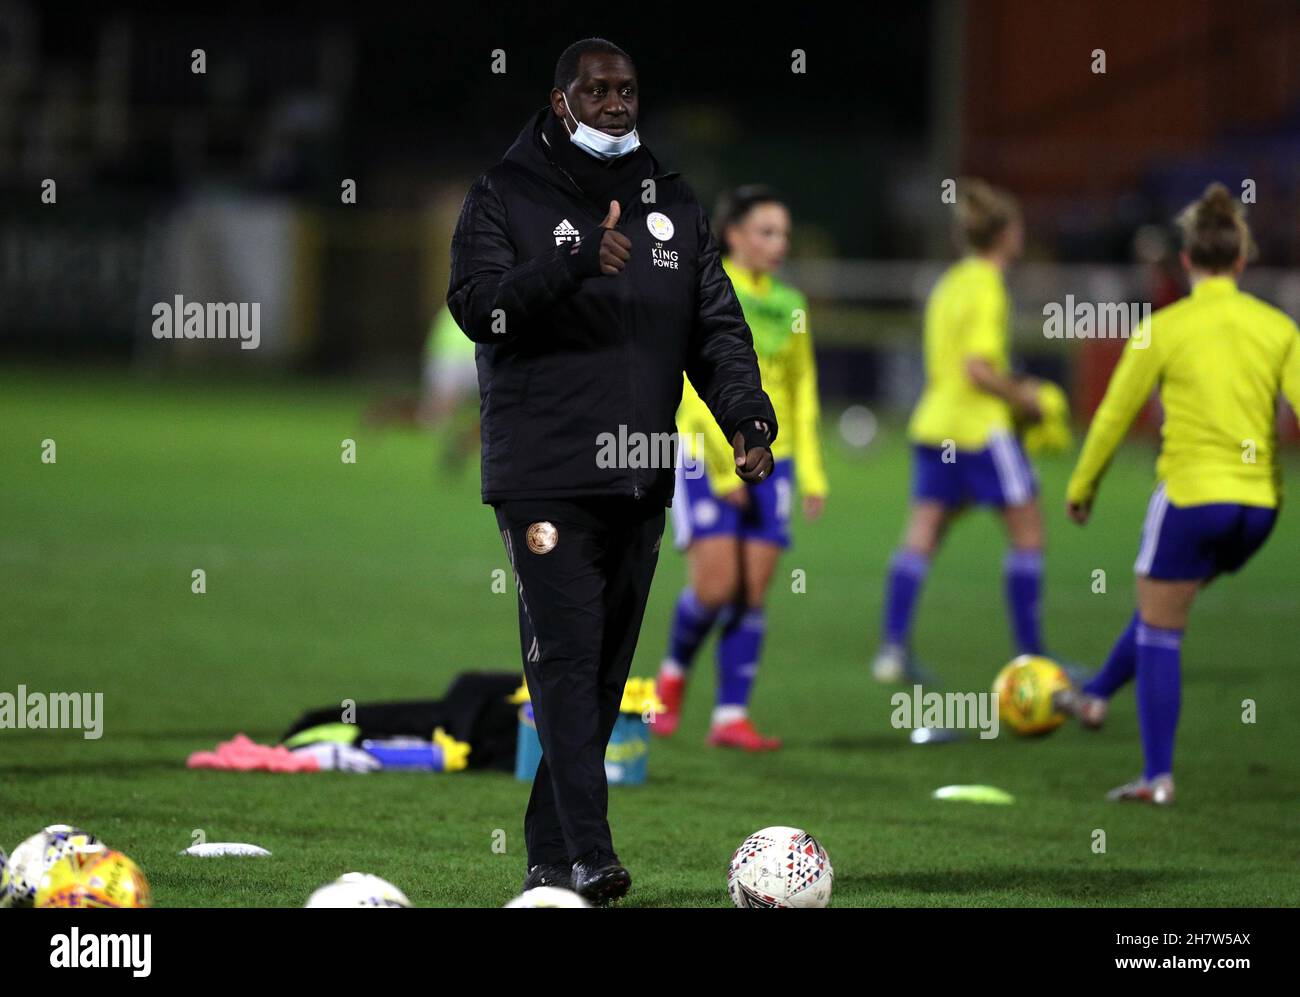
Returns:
(966, 316)
(1220, 357)
(777, 316)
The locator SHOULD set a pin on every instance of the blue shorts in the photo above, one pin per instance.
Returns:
(698, 513)
(1195, 542)
(999, 475)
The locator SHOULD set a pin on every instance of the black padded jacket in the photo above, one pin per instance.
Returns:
(571, 362)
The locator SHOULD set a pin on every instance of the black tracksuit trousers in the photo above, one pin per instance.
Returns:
(583, 585)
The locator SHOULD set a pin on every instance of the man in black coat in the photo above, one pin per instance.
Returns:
(590, 281)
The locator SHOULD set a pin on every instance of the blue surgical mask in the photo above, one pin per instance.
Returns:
(596, 142)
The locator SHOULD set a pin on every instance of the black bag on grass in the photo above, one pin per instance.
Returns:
(475, 709)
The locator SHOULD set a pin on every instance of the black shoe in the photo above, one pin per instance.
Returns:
(600, 879)
(548, 874)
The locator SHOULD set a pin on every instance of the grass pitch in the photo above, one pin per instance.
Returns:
(373, 580)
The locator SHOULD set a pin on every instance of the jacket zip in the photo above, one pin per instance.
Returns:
(636, 480)
(631, 368)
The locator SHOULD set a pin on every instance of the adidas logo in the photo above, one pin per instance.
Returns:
(565, 232)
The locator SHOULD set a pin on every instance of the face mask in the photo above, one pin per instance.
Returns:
(596, 142)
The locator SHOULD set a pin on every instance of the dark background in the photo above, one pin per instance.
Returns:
(228, 182)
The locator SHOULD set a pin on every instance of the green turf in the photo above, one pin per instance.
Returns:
(328, 581)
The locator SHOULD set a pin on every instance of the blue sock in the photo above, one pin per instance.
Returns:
(1023, 571)
(738, 651)
(906, 575)
(1121, 666)
(692, 621)
(1159, 691)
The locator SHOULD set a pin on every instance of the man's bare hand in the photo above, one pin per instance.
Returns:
(753, 465)
(615, 247)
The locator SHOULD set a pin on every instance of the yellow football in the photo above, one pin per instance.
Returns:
(1025, 688)
(93, 878)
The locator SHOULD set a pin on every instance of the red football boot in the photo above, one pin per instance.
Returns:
(741, 734)
(671, 690)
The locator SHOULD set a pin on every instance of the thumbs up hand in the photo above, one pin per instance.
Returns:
(615, 247)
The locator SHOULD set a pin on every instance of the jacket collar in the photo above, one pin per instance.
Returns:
(530, 152)
(1214, 286)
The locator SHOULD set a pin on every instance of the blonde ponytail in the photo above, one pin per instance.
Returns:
(1215, 234)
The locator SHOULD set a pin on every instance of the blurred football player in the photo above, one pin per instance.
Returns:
(1220, 358)
(449, 399)
(734, 532)
(964, 446)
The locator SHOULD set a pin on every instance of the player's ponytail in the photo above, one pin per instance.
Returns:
(982, 213)
(1215, 234)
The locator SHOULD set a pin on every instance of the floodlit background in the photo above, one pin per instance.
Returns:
(226, 185)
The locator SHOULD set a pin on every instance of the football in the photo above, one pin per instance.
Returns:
(548, 897)
(4, 879)
(62, 874)
(780, 867)
(93, 876)
(33, 858)
(358, 889)
(1025, 689)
